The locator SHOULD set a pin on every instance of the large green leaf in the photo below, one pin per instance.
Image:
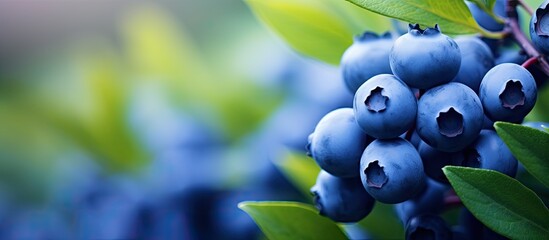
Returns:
(529, 146)
(500, 202)
(291, 220)
(321, 29)
(452, 16)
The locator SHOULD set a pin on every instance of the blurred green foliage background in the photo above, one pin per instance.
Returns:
(75, 74)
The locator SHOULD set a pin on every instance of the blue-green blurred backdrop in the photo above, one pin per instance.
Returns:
(135, 119)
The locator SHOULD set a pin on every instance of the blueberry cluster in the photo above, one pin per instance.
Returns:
(422, 101)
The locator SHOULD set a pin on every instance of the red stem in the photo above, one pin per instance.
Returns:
(529, 62)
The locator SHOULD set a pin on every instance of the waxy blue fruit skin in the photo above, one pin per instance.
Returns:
(341, 199)
(366, 57)
(508, 93)
(449, 117)
(539, 28)
(337, 143)
(490, 152)
(425, 58)
(385, 107)
(434, 160)
(391, 170)
(485, 20)
(428, 227)
(430, 201)
(476, 60)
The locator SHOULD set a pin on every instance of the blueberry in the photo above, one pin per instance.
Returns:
(434, 160)
(425, 58)
(430, 201)
(485, 20)
(539, 28)
(476, 60)
(367, 57)
(472, 228)
(385, 107)
(511, 56)
(487, 123)
(391, 170)
(337, 143)
(490, 152)
(508, 92)
(428, 227)
(450, 117)
(341, 199)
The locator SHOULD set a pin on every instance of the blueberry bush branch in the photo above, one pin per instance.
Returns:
(513, 27)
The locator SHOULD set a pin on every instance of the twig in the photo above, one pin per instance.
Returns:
(522, 40)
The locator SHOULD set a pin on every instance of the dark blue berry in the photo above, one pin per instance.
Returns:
(508, 92)
(385, 107)
(391, 170)
(425, 58)
(337, 143)
(367, 57)
(539, 28)
(341, 199)
(450, 117)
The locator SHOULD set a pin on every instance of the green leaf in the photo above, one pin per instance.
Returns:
(529, 146)
(300, 170)
(452, 16)
(500, 202)
(322, 29)
(291, 220)
(311, 29)
(382, 223)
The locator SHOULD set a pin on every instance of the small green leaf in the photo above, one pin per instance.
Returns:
(300, 170)
(500, 202)
(452, 16)
(291, 220)
(529, 146)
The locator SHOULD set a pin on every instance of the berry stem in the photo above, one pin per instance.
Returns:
(529, 62)
(452, 201)
(522, 40)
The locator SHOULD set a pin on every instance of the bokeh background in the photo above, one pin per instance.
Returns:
(149, 120)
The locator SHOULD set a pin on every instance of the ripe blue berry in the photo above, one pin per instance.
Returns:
(485, 20)
(425, 58)
(490, 152)
(391, 170)
(341, 199)
(476, 60)
(539, 28)
(430, 201)
(434, 160)
(367, 57)
(508, 92)
(450, 117)
(385, 107)
(428, 227)
(337, 143)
